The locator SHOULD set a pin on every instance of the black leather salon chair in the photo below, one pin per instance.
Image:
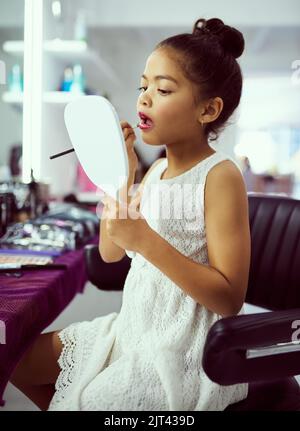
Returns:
(262, 349)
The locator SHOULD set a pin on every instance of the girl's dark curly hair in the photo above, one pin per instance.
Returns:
(207, 57)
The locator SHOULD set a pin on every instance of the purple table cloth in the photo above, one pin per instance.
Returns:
(29, 304)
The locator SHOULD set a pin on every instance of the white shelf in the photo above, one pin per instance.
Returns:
(60, 97)
(11, 97)
(51, 97)
(67, 50)
(15, 47)
(55, 46)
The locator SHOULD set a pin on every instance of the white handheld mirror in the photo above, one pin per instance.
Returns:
(96, 135)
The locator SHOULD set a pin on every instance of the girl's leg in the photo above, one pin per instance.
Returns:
(37, 371)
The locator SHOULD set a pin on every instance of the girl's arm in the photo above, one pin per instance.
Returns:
(220, 286)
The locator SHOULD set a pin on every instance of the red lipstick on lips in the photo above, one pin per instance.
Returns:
(146, 122)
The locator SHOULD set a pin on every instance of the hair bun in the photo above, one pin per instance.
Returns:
(230, 38)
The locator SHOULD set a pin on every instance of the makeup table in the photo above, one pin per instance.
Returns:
(29, 304)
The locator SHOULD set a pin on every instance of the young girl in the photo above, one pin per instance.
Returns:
(187, 272)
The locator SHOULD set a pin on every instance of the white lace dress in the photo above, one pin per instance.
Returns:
(148, 356)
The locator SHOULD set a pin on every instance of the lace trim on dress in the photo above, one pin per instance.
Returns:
(66, 362)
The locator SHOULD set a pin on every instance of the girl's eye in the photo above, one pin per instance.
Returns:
(162, 91)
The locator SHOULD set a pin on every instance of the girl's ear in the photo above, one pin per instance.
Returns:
(212, 110)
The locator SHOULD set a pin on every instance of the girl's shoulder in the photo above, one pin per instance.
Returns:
(225, 178)
(225, 168)
(218, 165)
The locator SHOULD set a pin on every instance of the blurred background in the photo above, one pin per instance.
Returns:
(99, 47)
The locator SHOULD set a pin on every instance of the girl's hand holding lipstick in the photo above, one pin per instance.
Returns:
(130, 138)
(133, 162)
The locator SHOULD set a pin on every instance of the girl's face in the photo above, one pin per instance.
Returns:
(169, 104)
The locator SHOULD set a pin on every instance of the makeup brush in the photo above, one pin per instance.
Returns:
(72, 149)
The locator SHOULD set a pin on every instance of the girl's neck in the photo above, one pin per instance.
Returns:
(180, 161)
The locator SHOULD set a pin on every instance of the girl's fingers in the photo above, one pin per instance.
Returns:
(136, 201)
(128, 133)
(107, 201)
(127, 129)
(125, 124)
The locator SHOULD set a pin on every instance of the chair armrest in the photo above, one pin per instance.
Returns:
(236, 351)
(105, 276)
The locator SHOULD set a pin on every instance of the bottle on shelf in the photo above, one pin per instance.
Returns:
(67, 80)
(80, 31)
(15, 82)
(78, 84)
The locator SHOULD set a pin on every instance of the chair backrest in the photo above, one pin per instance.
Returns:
(274, 278)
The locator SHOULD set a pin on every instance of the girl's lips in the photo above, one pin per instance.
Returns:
(144, 116)
(144, 126)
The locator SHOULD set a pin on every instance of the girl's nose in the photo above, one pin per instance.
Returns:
(144, 99)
